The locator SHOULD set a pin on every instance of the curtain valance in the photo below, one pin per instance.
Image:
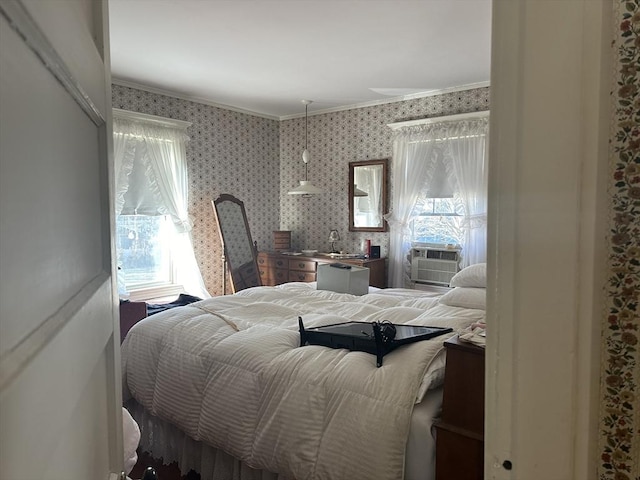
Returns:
(150, 165)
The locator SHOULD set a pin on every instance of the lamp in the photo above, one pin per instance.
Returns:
(306, 188)
(359, 193)
(334, 236)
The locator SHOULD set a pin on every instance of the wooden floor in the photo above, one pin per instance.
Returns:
(165, 472)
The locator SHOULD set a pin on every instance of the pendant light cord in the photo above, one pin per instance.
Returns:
(306, 189)
(306, 130)
(306, 125)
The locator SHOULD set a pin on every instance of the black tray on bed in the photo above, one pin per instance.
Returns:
(377, 338)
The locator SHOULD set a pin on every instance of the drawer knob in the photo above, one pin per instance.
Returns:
(507, 465)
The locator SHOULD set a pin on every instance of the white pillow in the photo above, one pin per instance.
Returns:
(472, 276)
(465, 297)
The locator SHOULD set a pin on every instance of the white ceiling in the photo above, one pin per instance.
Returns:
(266, 56)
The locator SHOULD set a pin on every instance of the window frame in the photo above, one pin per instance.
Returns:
(161, 289)
(154, 289)
(457, 211)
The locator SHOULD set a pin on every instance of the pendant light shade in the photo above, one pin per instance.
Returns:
(306, 188)
(358, 192)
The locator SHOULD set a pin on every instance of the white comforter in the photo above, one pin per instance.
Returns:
(229, 372)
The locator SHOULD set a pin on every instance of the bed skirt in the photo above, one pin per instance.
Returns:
(167, 442)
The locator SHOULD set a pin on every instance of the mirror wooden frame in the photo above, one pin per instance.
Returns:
(384, 162)
(240, 256)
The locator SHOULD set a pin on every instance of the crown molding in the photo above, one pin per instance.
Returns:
(372, 103)
(189, 98)
(447, 118)
(430, 93)
(162, 121)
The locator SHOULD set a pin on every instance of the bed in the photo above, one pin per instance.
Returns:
(223, 387)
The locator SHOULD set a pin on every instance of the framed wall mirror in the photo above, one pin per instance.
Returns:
(368, 195)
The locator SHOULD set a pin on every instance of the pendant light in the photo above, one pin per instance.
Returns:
(306, 188)
(359, 193)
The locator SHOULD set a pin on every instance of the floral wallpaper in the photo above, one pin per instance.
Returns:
(259, 160)
(334, 140)
(620, 403)
(228, 152)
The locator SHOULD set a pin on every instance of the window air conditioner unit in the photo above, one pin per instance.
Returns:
(434, 265)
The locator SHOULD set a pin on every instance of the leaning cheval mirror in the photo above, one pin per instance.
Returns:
(240, 257)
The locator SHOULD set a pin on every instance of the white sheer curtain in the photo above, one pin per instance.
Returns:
(160, 153)
(466, 154)
(124, 146)
(412, 162)
(462, 147)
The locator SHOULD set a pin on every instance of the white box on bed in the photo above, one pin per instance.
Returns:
(354, 280)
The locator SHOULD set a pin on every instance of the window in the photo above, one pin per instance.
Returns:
(437, 221)
(153, 244)
(440, 189)
(144, 251)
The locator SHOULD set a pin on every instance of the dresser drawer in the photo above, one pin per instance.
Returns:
(270, 261)
(302, 265)
(273, 270)
(281, 263)
(264, 261)
(280, 275)
(458, 456)
(248, 275)
(266, 276)
(281, 240)
(301, 276)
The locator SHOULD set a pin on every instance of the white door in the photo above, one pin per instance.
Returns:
(551, 64)
(60, 414)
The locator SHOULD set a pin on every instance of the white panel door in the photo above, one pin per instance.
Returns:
(60, 399)
(550, 70)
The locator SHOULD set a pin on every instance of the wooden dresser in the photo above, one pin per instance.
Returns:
(460, 429)
(276, 268)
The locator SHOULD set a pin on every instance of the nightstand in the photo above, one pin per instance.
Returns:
(130, 314)
(460, 429)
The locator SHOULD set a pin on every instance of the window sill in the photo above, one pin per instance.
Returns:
(154, 293)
